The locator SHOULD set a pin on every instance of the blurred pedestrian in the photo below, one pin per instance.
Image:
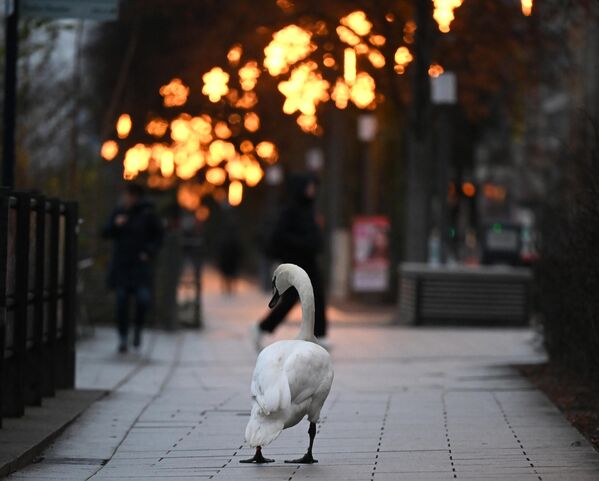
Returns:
(229, 254)
(297, 238)
(136, 231)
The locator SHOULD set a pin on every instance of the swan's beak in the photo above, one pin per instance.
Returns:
(274, 300)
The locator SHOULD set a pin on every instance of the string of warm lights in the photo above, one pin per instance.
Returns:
(527, 7)
(204, 156)
(443, 13)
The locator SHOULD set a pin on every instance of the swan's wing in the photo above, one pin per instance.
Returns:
(306, 368)
(270, 386)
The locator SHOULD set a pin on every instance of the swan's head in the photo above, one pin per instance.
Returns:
(286, 276)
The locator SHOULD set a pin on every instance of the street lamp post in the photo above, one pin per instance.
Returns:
(367, 127)
(443, 96)
(418, 154)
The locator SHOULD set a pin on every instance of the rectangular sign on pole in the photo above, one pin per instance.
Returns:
(371, 259)
(100, 10)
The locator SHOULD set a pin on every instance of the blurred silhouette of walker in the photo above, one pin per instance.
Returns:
(297, 239)
(229, 254)
(137, 233)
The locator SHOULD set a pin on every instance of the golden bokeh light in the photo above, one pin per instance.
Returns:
(409, 30)
(527, 7)
(137, 159)
(234, 54)
(349, 65)
(328, 60)
(216, 176)
(346, 35)
(251, 122)
(247, 101)
(174, 93)
(402, 58)
(361, 49)
(435, 70)
(376, 58)
(358, 22)
(181, 128)
(248, 75)
(246, 146)
(215, 84)
(157, 127)
(340, 94)
(308, 123)
(109, 150)
(167, 163)
(287, 47)
(267, 151)
(220, 151)
(363, 92)
(222, 130)
(123, 126)
(253, 173)
(443, 13)
(235, 193)
(304, 90)
(235, 169)
(377, 40)
(202, 126)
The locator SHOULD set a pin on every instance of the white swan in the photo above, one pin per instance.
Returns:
(291, 378)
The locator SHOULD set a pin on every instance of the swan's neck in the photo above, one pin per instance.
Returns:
(306, 296)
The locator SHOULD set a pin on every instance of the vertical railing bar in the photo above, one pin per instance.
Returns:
(38, 300)
(52, 358)
(4, 206)
(20, 314)
(70, 290)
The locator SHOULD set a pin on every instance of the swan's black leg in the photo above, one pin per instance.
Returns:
(258, 458)
(307, 459)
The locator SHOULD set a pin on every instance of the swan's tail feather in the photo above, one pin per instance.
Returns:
(276, 397)
(262, 430)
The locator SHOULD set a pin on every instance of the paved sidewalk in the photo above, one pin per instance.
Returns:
(407, 404)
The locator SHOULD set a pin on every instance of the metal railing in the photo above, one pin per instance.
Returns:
(38, 279)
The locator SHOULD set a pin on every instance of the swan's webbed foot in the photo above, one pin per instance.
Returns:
(306, 459)
(258, 458)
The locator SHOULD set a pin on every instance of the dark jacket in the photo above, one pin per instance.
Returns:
(140, 236)
(296, 237)
(229, 251)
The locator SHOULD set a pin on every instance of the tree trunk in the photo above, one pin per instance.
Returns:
(419, 171)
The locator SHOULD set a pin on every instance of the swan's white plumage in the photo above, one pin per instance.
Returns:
(292, 378)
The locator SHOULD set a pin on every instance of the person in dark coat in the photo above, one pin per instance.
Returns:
(297, 239)
(136, 231)
(229, 255)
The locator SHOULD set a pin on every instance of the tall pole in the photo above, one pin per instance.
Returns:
(73, 167)
(419, 168)
(10, 93)
(444, 148)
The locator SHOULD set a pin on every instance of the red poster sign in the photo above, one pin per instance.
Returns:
(370, 254)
